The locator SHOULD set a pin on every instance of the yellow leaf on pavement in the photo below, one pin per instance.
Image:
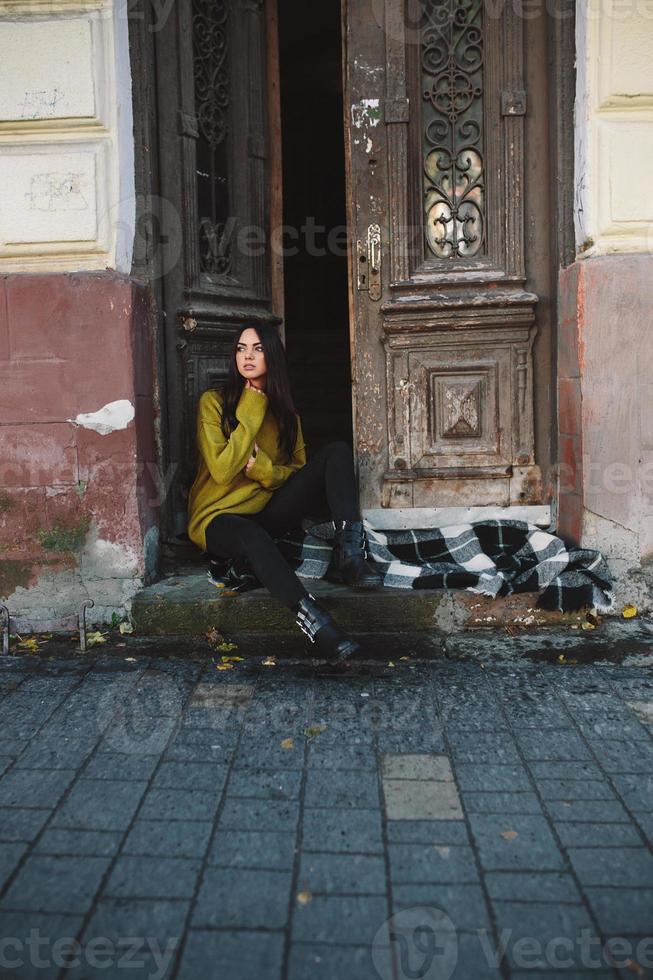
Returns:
(304, 897)
(629, 611)
(32, 644)
(288, 743)
(509, 834)
(269, 662)
(224, 666)
(92, 639)
(126, 628)
(314, 730)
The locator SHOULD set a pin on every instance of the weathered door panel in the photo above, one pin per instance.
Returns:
(213, 95)
(443, 334)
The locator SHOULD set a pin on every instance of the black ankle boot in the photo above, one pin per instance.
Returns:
(321, 630)
(232, 575)
(348, 564)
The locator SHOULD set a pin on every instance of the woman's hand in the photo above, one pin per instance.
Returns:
(252, 459)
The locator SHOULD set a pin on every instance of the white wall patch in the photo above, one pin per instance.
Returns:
(109, 418)
(367, 112)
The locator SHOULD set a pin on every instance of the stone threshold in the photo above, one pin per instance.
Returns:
(187, 603)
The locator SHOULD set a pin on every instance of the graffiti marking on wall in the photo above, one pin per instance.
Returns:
(40, 103)
(57, 192)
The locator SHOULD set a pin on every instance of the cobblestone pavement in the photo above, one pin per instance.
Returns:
(163, 818)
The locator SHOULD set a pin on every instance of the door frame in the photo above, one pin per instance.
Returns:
(145, 267)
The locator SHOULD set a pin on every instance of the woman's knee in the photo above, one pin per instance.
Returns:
(232, 535)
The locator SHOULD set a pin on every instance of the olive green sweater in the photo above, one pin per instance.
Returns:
(221, 485)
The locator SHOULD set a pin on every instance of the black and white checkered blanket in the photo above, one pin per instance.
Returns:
(490, 557)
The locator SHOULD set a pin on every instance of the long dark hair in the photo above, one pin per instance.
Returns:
(277, 387)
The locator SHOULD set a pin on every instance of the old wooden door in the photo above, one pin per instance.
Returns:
(446, 124)
(214, 162)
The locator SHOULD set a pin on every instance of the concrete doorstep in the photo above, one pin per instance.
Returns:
(189, 603)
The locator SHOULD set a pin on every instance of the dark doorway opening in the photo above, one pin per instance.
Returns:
(314, 213)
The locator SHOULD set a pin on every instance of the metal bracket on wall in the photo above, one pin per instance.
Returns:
(87, 604)
(368, 255)
(5, 630)
(513, 102)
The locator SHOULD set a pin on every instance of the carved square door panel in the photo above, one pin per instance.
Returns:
(459, 408)
(457, 428)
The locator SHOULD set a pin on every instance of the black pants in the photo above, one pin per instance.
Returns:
(325, 485)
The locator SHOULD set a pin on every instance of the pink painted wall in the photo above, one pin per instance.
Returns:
(72, 343)
(605, 390)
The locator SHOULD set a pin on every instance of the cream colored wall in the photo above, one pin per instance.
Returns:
(66, 136)
(614, 126)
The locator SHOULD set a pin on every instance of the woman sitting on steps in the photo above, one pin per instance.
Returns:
(254, 484)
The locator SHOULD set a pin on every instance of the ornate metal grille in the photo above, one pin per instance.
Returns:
(452, 126)
(210, 51)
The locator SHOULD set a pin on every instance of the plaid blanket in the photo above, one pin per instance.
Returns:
(491, 557)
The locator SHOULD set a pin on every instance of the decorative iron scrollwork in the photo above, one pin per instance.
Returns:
(212, 92)
(452, 126)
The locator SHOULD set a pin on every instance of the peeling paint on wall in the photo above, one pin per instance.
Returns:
(111, 417)
(366, 112)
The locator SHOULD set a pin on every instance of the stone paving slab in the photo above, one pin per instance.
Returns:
(161, 818)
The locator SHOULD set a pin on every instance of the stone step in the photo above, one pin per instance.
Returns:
(189, 604)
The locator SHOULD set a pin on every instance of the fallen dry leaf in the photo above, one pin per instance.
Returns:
(390, 663)
(562, 658)
(304, 897)
(629, 611)
(92, 639)
(225, 647)
(230, 660)
(314, 730)
(130, 660)
(224, 666)
(214, 636)
(126, 628)
(288, 743)
(634, 967)
(404, 658)
(32, 644)
(587, 625)
(509, 834)
(269, 662)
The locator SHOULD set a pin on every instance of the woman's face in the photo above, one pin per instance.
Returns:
(250, 359)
